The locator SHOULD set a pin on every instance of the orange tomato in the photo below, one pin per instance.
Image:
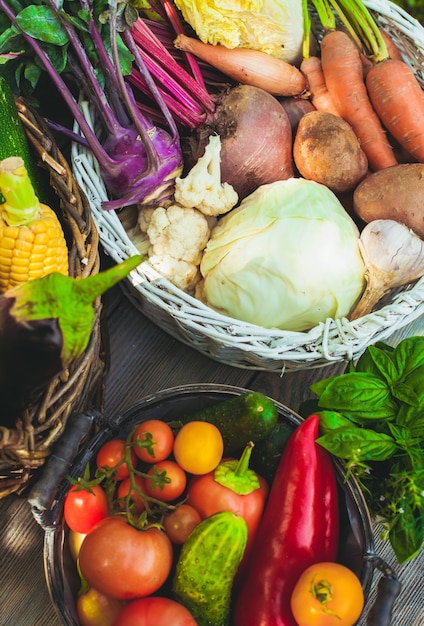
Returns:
(327, 594)
(198, 447)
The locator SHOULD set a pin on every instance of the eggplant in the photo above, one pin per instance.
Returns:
(44, 325)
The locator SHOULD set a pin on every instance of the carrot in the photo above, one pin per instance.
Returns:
(399, 102)
(342, 67)
(320, 97)
(249, 67)
(392, 51)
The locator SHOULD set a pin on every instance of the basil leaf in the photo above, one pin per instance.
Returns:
(384, 366)
(415, 381)
(367, 362)
(41, 23)
(409, 355)
(411, 417)
(403, 436)
(359, 396)
(320, 386)
(330, 420)
(358, 444)
(407, 534)
(405, 393)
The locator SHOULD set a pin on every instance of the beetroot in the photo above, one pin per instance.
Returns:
(256, 139)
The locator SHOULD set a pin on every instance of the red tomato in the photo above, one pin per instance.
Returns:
(84, 509)
(179, 524)
(112, 453)
(123, 562)
(175, 477)
(136, 499)
(96, 609)
(155, 611)
(160, 437)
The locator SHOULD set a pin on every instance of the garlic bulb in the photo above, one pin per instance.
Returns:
(393, 255)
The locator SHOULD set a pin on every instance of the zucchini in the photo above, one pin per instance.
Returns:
(206, 567)
(247, 417)
(13, 140)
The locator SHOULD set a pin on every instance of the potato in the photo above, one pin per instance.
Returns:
(327, 151)
(395, 193)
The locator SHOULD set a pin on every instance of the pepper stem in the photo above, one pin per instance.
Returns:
(243, 462)
(21, 204)
(236, 475)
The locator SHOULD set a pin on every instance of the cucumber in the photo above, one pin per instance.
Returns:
(266, 454)
(13, 140)
(206, 567)
(247, 417)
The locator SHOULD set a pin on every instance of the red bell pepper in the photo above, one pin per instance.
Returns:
(234, 487)
(299, 527)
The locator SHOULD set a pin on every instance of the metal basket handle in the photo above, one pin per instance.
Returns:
(388, 589)
(44, 493)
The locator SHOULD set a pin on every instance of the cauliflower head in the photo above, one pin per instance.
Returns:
(202, 187)
(178, 236)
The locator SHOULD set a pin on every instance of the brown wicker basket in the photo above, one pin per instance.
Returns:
(25, 448)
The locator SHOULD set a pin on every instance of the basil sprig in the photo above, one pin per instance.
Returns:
(372, 417)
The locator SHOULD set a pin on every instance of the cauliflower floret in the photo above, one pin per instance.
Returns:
(178, 236)
(144, 217)
(202, 188)
(182, 274)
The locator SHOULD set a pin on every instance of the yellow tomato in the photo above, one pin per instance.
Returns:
(96, 609)
(198, 447)
(327, 594)
(75, 540)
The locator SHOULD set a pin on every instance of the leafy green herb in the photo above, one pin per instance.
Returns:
(372, 417)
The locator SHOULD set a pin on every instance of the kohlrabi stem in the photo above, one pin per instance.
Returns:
(88, 70)
(70, 101)
(153, 159)
(108, 68)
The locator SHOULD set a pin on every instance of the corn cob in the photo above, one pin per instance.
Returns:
(32, 242)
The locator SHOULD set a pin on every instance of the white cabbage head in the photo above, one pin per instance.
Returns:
(288, 257)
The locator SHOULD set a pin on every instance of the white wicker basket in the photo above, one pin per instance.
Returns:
(240, 344)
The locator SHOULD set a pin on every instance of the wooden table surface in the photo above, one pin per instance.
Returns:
(144, 359)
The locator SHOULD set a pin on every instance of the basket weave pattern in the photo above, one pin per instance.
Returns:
(25, 448)
(238, 343)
